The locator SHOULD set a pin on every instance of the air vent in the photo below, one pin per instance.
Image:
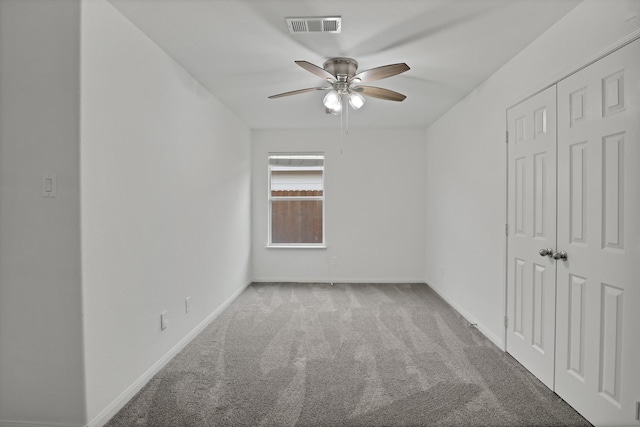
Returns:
(317, 24)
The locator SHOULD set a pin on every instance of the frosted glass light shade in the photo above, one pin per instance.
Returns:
(331, 100)
(336, 108)
(356, 100)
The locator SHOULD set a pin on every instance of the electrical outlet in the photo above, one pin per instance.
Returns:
(187, 304)
(334, 260)
(164, 322)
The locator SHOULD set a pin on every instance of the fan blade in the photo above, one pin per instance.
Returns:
(378, 92)
(320, 72)
(296, 92)
(380, 72)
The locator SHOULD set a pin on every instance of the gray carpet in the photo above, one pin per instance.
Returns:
(345, 355)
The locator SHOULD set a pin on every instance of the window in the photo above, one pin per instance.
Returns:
(296, 200)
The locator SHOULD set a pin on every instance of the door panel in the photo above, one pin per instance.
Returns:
(598, 300)
(532, 226)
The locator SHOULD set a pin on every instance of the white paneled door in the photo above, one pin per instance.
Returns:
(598, 299)
(531, 276)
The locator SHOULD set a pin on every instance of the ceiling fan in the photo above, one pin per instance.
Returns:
(340, 73)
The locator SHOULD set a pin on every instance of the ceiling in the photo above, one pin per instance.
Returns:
(242, 52)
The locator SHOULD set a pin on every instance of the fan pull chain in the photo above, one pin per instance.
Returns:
(341, 132)
(346, 107)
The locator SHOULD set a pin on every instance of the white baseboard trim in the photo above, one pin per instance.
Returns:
(4, 423)
(137, 385)
(464, 313)
(337, 280)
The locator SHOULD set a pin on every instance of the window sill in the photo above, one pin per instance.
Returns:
(296, 247)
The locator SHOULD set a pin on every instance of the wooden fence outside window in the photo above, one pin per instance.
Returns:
(296, 221)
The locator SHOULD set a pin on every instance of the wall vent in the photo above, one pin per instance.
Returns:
(316, 24)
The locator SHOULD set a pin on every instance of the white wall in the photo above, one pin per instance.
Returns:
(374, 206)
(41, 366)
(165, 205)
(465, 172)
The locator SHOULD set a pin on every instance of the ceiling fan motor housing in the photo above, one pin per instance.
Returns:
(341, 67)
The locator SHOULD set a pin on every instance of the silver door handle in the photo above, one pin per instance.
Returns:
(546, 252)
(560, 255)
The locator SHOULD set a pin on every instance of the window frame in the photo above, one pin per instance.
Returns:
(271, 199)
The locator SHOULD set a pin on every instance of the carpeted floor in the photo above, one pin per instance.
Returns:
(345, 355)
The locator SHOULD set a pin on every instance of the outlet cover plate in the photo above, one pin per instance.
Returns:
(164, 322)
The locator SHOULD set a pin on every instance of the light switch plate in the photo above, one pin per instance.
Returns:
(49, 185)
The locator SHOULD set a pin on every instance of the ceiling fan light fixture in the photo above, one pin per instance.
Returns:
(333, 101)
(334, 112)
(356, 100)
(336, 109)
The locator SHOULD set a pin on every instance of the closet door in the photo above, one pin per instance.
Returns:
(598, 318)
(531, 276)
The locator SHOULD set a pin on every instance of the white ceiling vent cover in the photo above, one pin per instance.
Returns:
(316, 24)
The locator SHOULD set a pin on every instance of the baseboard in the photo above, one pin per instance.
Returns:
(131, 391)
(337, 280)
(4, 423)
(471, 319)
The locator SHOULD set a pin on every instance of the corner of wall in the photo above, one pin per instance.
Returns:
(41, 339)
